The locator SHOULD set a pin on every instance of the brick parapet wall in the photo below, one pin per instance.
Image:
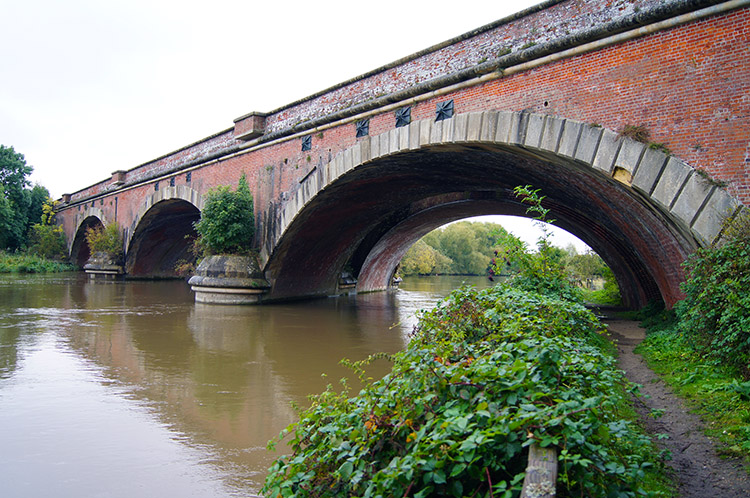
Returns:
(548, 26)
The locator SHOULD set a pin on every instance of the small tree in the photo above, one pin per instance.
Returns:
(227, 223)
(47, 239)
(107, 240)
(542, 271)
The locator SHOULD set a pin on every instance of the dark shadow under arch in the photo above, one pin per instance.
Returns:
(369, 216)
(162, 239)
(79, 251)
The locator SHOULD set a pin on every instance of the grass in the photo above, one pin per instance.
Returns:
(30, 263)
(716, 392)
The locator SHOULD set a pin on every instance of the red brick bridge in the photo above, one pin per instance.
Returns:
(350, 177)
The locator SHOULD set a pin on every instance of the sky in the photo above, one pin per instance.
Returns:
(89, 87)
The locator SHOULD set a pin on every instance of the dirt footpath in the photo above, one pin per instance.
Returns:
(700, 472)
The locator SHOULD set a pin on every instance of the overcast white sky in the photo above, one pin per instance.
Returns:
(90, 86)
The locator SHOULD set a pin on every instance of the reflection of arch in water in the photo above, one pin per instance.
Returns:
(162, 232)
(643, 211)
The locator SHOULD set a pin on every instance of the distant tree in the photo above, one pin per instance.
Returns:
(419, 259)
(15, 198)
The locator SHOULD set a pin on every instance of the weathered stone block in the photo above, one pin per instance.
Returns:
(474, 126)
(609, 147)
(648, 171)
(691, 198)
(629, 155)
(709, 222)
(534, 130)
(569, 139)
(673, 177)
(588, 143)
(552, 132)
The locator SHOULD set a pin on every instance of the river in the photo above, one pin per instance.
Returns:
(130, 388)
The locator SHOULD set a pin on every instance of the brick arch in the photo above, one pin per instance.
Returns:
(181, 192)
(670, 203)
(78, 251)
(157, 241)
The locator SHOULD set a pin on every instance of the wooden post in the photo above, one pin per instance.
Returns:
(541, 473)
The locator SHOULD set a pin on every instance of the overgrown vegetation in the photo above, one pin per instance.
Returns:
(702, 348)
(227, 223)
(20, 262)
(486, 374)
(106, 240)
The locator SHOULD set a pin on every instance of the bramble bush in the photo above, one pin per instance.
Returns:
(715, 314)
(486, 374)
(227, 223)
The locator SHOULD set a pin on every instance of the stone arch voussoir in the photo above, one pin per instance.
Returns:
(680, 193)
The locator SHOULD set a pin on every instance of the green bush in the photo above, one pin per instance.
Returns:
(47, 241)
(715, 314)
(227, 223)
(30, 263)
(486, 374)
(107, 240)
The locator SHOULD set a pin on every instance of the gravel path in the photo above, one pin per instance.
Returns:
(699, 471)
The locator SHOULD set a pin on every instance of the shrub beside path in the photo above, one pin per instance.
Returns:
(700, 472)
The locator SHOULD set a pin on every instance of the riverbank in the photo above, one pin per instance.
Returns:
(698, 470)
(21, 262)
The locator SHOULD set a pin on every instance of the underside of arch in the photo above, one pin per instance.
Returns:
(79, 249)
(642, 211)
(162, 239)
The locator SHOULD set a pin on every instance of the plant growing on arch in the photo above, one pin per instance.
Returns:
(105, 240)
(227, 223)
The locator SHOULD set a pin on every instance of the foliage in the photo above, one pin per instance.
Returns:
(46, 239)
(715, 314)
(14, 198)
(227, 223)
(107, 240)
(423, 259)
(30, 263)
(541, 271)
(20, 207)
(486, 374)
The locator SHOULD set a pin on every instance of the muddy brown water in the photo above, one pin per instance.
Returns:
(131, 389)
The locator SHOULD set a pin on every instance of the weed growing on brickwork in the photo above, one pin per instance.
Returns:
(504, 51)
(711, 180)
(639, 133)
(660, 147)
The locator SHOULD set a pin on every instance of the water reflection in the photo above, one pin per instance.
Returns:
(130, 388)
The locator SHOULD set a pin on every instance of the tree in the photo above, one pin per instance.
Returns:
(15, 199)
(47, 239)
